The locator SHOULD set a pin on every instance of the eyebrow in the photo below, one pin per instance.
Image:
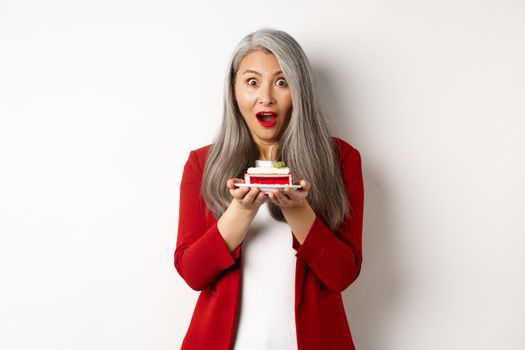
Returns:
(255, 72)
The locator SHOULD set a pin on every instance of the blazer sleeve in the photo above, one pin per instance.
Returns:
(335, 257)
(201, 254)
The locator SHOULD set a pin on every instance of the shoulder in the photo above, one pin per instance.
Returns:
(346, 151)
(202, 153)
(197, 158)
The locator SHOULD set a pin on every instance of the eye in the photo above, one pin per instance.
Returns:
(252, 82)
(281, 82)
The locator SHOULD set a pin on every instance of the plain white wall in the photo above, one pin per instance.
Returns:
(101, 102)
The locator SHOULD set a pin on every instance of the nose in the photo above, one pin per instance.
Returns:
(266, 95)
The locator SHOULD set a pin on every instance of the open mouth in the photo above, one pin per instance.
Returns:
(267, 118)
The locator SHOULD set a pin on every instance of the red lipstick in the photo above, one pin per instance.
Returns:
(267, 118)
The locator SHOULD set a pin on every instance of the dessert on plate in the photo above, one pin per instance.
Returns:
(268, 172)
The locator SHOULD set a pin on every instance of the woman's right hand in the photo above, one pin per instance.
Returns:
(235, 222)
(246, 198)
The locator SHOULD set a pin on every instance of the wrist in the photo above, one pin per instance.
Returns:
(236, 206)
(300, 207)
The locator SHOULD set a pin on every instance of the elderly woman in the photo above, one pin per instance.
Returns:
(296, 249)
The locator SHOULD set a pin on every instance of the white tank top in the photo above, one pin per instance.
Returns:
(267, 314)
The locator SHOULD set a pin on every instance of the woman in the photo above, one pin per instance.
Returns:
(297, 250)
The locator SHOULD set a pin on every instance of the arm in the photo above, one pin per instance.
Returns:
(300, 219)
(235, 221)
(335, 257)
(201, 254)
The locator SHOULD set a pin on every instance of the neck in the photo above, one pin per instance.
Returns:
(266, 152)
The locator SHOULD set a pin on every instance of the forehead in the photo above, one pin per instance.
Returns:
(260, 61)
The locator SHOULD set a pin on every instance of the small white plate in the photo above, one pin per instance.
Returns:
(268, 188)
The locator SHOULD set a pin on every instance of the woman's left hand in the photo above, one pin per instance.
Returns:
(290, 198)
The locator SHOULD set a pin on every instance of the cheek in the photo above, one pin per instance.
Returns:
(288, 102)
(244, 104)
(243, 98)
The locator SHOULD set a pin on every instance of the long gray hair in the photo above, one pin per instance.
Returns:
(305, 145)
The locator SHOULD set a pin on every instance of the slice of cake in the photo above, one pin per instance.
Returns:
(268, 172)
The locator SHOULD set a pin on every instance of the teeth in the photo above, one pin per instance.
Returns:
(266, 117)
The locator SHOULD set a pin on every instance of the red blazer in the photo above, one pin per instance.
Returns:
(327, 263)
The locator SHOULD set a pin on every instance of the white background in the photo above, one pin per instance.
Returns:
(101, 102)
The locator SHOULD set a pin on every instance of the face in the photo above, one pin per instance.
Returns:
(260, 87)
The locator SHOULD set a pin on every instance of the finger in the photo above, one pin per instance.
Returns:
(285, 193)
(281, 197)
(305, 185)
(240, 193)
(231, 182)
(249, 198)
(261, 198)
(273, 197)
(237, 192)
(292, 194)
(296, 195)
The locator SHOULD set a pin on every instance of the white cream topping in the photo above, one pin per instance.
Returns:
(277, 171)
(267, 167)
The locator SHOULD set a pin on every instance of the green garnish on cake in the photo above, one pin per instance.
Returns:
(280, 164)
